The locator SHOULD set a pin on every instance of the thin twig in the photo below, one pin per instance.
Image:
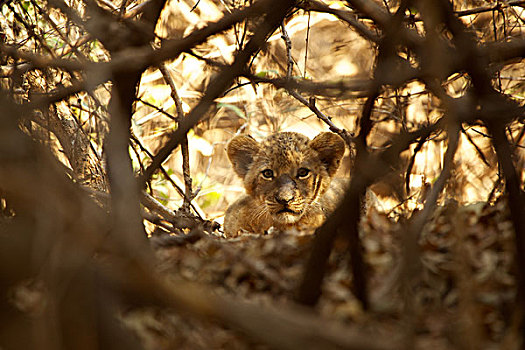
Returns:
(479, 152)
(188, 193)
(348, 137)
(344, 88)
(306, 45)
(411, 164)
(158, 109)
(345, 16)
(177, 219)
(494, 7)
(288, 45)
(167, 176)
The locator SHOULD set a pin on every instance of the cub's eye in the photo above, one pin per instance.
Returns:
(303, 172)
(267, 173)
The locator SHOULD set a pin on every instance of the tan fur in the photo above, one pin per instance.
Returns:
(299, 193)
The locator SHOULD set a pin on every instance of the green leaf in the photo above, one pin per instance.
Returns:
(234, 108)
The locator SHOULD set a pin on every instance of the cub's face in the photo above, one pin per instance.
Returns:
(287, 172)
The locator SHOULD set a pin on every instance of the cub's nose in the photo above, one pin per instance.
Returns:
(286, 190)
(284, 198)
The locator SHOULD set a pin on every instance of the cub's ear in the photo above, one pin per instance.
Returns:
(330, 148)
(241, 151)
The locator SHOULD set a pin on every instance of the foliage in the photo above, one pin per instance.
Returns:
(114, 116)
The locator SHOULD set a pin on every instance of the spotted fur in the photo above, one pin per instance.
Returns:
(288, 181)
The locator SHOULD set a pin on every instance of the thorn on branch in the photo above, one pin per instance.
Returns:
(288, 44)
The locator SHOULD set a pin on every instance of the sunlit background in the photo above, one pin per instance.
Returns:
(323, 49)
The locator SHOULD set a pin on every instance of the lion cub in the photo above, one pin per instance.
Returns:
(287, 178)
